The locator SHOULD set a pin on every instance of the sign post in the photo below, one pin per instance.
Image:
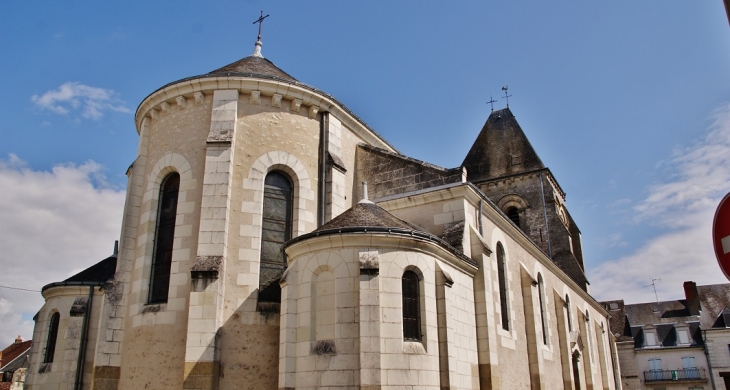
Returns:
(721, 235)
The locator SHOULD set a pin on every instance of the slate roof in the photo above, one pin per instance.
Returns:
(501, 149)
(253, 66)
(367, 217)
(97, 274)
(628, 320)
(714, 300)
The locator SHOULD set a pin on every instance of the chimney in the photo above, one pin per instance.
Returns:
(18, 340)
(693, 298)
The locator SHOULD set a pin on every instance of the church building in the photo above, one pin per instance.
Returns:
(272, 240)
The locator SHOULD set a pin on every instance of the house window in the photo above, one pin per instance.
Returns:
(649, 339)
(513, 215)
(276, 229)
(541, 296)
(164, 237)
(501, 264)
(52, 336)
(411, 307)
(655, 364)
(688, 362)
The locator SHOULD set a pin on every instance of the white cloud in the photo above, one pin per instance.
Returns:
(91, 102)
(52, 224)
(684, 206)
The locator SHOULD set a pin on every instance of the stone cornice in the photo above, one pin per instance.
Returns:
(313, 100)
(66, 291)
(378, 240)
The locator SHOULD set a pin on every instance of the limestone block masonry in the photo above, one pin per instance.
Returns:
(409, 295)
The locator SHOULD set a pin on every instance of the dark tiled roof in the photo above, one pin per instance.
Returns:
(96, 274)
(667, 335)
(501, 149)
(714, 299)
(454, 234)
(99, 272)
(367, 217)
(254, 66)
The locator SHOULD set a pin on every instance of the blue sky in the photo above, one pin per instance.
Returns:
(626, 101)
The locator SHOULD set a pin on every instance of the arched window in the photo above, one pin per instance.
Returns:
(276, 226)
(541, 296)
(52, 336)
(164, 237)
(411, 307)
(514, 216)
(501, 274)
(567, 309)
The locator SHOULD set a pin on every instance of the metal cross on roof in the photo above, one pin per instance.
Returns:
(260, 21)
(505, 88)
(492, 101)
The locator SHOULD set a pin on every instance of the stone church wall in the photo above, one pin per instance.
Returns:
(61, 373)
(154, 351)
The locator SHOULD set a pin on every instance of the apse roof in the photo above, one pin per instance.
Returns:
(97, 274)
(367, 217)
(253, 66)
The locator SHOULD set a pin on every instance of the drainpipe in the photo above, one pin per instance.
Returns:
(707, 355)
(82, 346)
(544, 213)
(323, 144)
(481, 232)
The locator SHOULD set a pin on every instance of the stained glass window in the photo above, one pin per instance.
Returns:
(164, 237)
(411, 307)
(276, 226)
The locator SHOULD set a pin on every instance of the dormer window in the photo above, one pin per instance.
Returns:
(650, 339)
(683, 336)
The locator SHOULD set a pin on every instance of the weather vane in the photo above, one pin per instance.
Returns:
(492, 101)
(505, 88)
(260, 21)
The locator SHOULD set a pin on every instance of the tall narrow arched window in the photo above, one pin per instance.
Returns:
(164, 237)
(276, 226)
(501, 275)
(514, 216)
(52, 336)
(567, 310)
(411, 306)
(541, 296)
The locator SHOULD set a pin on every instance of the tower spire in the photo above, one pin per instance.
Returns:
(257, 46)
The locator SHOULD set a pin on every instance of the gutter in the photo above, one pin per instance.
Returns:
(71, 283)
(389, 230)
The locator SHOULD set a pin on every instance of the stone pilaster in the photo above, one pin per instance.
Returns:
(484, 299)
(108, 354)
(532, 329)
(202, 357)
(369, 318)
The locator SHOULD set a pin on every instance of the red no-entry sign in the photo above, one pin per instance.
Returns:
(721, 235)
